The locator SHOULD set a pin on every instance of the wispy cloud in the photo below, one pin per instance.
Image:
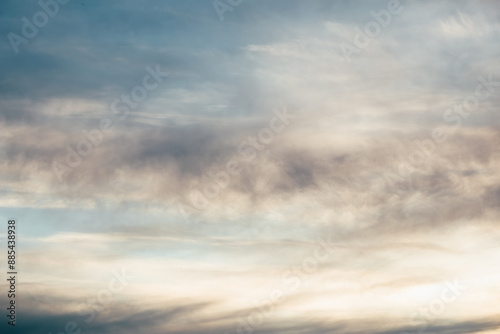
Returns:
(347, 164)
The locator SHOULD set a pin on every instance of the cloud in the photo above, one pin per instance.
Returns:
(359, 160)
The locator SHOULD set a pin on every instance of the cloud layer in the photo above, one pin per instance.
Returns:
(271, 183)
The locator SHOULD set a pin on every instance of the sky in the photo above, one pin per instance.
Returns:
(250, 166)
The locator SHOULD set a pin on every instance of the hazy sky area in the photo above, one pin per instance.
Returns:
(251, 166)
